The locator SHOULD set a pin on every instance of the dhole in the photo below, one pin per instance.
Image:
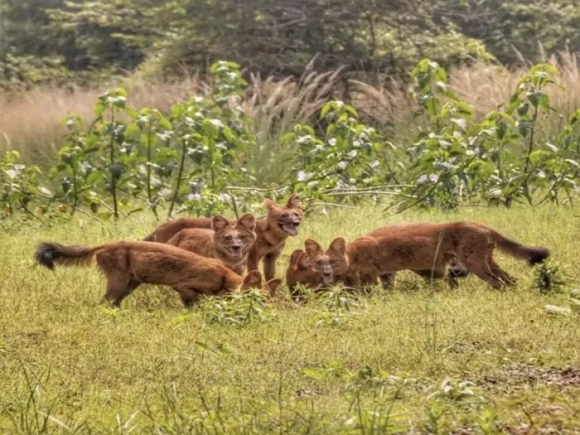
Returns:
(431, 247)
(126, 265)
(227, 241)
(456, 269)
(272, 232)
(300, 271)
(328, 264)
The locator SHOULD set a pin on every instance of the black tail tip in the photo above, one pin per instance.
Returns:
(46, 255)
(538, 256)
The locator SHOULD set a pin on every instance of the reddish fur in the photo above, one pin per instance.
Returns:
(431, 247)
(300, 271)
(126, 265)
(217, 242)
(388, 279)
(271, 237)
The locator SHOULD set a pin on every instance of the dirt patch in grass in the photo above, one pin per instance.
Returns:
(522, 375)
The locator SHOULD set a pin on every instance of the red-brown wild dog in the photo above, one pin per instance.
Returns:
(227, 241)
(126, 265)
(431, 248)
(300, 271)
(456, 269)
(329, 264)
(281, 222)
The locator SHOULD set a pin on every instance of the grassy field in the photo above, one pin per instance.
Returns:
(417, 359)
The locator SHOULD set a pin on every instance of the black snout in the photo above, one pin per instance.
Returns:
(236, 247)
(296, 224)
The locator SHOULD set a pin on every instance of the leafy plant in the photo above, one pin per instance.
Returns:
(20, 187)
(345, 158)
(339, 304)
(458, 161)
(238, 309)
(456, 391)
(549, 277)
(436, 423)
(487, 422)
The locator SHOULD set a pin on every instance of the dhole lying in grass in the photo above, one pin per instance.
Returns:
(456, 269)
(428, 247)
(300, 271)
(227, 241)
(126, 265)
(281, 221)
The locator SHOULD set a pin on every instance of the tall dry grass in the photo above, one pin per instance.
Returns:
(31, 122)
(276, 107)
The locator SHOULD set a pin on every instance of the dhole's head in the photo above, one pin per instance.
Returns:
(234, 238)
(331, 263)
(286, 219)
(254, 280)
(300, 271)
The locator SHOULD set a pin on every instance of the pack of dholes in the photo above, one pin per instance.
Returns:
(209, 256)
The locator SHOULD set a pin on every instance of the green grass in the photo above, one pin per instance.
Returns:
(70, 365)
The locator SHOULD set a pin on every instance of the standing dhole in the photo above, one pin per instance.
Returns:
(227, 241)
(430, 247)
(126, 265)
(456, 269)
(280, 223)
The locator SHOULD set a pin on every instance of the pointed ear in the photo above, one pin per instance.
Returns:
(296, 256)
(271, 287)
(338, 245)
(312, 247)
(252, 280)
(219, 223)
(270, 205)
(248, 220)
(294, 201)
(303, 261)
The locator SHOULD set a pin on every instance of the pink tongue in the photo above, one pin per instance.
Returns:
(236, 254)
(291, 229)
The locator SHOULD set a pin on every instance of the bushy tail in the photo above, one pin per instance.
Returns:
(534, 254)
(49, 254)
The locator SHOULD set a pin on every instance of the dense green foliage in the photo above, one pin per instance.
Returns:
(196, 158)
(55, 40)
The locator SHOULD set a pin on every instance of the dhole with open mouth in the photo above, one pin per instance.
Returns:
(228, 241)
(281, 222)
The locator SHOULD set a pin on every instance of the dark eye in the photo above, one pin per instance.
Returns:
(228, 238)
(284, 216)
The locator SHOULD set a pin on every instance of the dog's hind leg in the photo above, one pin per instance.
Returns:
(118, 288)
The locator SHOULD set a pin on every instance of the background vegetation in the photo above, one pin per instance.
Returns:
(426, 103)
(57, 39)
(116, 114)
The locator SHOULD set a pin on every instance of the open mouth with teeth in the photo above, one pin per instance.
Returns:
(235, 252)
(290, 227)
